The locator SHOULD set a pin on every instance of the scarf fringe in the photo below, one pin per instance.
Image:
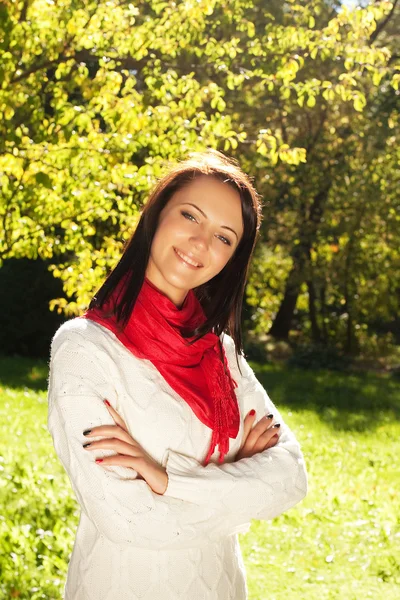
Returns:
(220, 433)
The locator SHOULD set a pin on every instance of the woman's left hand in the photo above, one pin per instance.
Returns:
(130, 453)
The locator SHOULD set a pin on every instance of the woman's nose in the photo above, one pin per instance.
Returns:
(200, 241)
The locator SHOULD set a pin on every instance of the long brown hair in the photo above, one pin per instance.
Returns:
(222, 296)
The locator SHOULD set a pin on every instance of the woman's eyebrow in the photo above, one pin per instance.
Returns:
(205, 216)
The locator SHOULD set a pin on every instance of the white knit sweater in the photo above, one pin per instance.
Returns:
(132, 543)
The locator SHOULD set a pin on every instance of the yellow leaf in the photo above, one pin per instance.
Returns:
(376, 78)
(233, 142)
(262, 149)
(9, 113)
(311, 101)
(359, 102)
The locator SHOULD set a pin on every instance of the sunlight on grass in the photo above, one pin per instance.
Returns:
(342, 541)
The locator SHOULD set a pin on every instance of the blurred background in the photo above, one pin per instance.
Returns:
(97, 98)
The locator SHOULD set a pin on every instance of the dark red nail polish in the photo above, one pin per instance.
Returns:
(107, 402)
(252, 412)
(99, 460)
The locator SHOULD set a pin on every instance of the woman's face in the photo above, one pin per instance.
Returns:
(201, 222)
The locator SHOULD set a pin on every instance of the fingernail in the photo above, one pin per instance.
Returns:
(270, 416)
(87, 432)
(99, 459)
(86, 445)
(276, 425)
(252, 412)
(107, 402)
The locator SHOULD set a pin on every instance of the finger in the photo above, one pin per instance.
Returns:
(247, 425)
(265, 423)
(262, 426)
(261, 445)
(119, 420)
(269, 431)
(273, 441)
(116, 445)
(110, 431)
(120, 459)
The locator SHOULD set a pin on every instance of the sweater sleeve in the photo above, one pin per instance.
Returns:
(124, 509)
(259, 487)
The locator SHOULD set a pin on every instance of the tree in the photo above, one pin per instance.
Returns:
(93, 114)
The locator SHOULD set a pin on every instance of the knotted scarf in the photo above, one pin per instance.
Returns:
(196, 372)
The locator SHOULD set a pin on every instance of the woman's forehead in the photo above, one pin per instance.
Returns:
(209, 191)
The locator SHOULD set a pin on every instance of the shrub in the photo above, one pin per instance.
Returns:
(318, 356)
(26, 323)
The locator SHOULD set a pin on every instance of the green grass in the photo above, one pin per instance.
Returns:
(342, 541)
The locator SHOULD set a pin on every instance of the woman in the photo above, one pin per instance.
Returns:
(171, 444)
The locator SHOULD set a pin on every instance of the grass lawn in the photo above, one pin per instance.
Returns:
(342, 541)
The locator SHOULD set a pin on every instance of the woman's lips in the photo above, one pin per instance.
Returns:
(184, 260)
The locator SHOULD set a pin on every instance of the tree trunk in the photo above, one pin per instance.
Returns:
(350, 287)
(322, 301)
(348, 296)
(301, 255)
(312, 309)
(283, 320)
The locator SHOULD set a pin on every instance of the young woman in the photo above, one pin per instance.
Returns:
(171, 444)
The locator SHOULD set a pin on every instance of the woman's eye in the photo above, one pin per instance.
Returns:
(186, 215)
(190, 217)
(225, 240)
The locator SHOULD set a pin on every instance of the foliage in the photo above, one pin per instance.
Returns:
(26, 325)
(326, 547)
(303, 94)
(318, 357)
(335, 218)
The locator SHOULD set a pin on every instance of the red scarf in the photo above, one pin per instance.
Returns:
(195, 372)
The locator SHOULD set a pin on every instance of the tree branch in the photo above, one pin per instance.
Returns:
(381, 26)
(24, 10)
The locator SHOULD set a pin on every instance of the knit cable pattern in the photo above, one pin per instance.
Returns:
(202, 509)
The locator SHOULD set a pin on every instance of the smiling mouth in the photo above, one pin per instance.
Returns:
(188, 260)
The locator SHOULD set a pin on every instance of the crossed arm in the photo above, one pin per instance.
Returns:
(201, 504)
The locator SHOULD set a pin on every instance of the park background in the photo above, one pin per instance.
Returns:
(96, 100)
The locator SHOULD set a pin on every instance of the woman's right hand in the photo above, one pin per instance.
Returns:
(264, 435)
